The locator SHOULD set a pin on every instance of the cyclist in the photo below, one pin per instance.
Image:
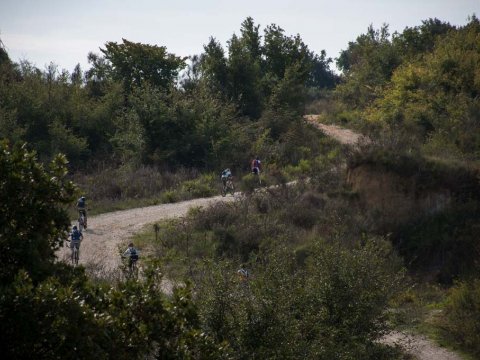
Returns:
(256, 165)
(76, 238)
(132, 255)
(243, 273)
(226, 175)
(82, 209)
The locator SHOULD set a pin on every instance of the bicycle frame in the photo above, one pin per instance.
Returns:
(228, 187)
(75, 253)
(131, 268)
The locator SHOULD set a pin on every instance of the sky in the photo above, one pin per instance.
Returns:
(65, 31)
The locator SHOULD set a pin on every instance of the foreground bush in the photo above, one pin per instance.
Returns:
(68, 317)
(463, 315)
(33, 223)
(333, 308)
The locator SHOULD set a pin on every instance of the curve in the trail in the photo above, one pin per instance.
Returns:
(106, 232)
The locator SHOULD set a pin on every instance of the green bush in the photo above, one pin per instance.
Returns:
(69, 317)
(249, 183)
(444, 244)
(333, 308)
(463, 315)
(169, 196)
(302, 168)
(204, 186)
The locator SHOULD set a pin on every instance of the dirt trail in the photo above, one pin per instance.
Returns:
(108, 231)
(343, 136)
(419, 346)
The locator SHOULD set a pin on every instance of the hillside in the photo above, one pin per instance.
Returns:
(352, 243)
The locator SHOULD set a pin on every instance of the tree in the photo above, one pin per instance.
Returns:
(191, 78)
(251, 39)
(321, 76)
(4, 58)
(33, 222)
(415, 41)
(435, 98)
(77, 76)
(331, 308)
(136, 63)
(98, 76)
(367, 66)
(244, 78)
(214, 65)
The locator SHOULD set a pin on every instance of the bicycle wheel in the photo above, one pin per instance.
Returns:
(74, 255)
(224, 190)
(132, 270)
(232, 187)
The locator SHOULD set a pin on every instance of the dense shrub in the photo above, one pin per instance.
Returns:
(204, 186)
(70, 317)
(331, 309)
(463, 315)
(436, 243)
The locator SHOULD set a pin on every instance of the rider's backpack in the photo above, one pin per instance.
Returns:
(76, 235)
(133, 254)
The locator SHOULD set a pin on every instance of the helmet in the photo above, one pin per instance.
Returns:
(74, 227)
(83, 198)
(130, 245)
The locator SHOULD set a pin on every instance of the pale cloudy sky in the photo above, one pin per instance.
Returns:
(64, 31)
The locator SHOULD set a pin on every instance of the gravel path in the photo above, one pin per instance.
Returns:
(419, 346)
(343, 136)
(108, 231)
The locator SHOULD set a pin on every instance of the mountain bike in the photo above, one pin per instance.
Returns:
(82, 220)
(75, 253)
(256, 174)
(131, 268)
(229, 187)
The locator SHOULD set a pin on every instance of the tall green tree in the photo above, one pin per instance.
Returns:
(214, 65)
(414, 41)
(367, 66)
(244, 78)
(136, 63)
